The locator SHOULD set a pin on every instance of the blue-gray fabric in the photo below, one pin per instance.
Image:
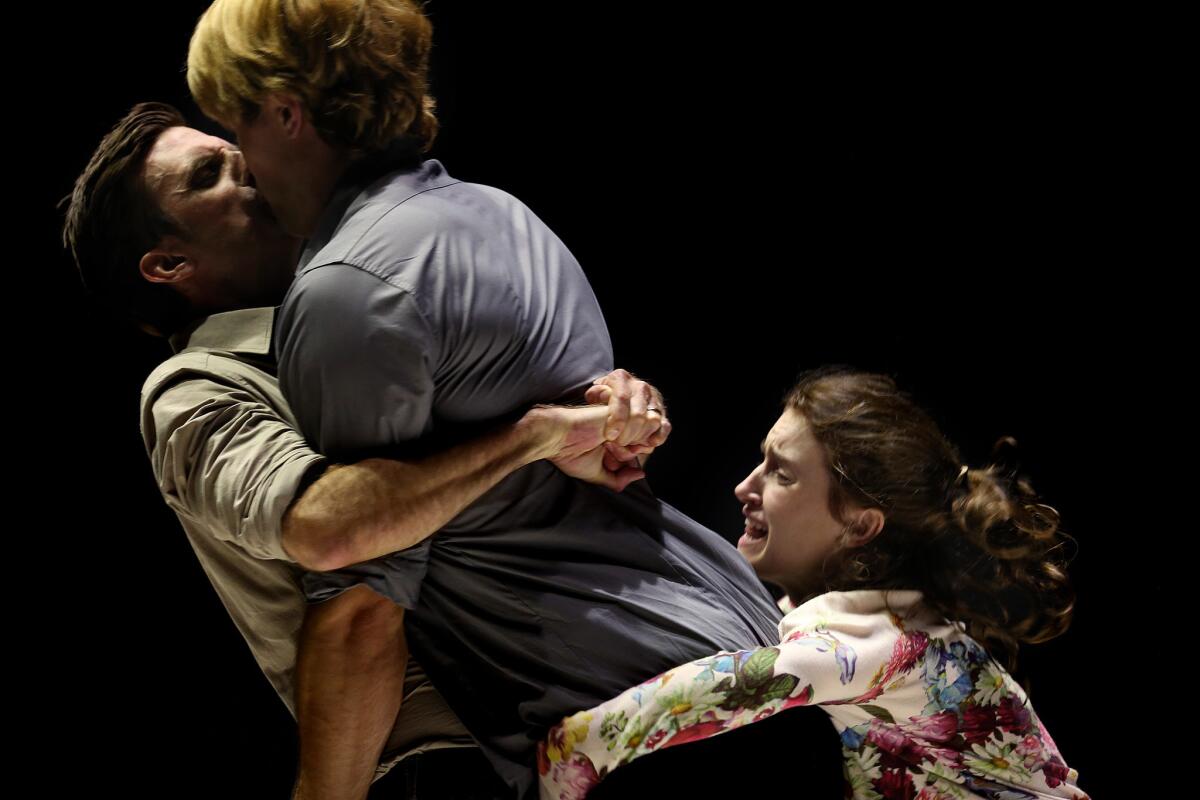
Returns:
(426, 306)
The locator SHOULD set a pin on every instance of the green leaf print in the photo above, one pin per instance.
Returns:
(878, 712)
(612, 724)
(750, 696)
(759, 667)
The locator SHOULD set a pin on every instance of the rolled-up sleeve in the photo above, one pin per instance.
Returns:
(356, 364)
(227, 460)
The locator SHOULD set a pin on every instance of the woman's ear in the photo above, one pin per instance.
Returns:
(864, 525)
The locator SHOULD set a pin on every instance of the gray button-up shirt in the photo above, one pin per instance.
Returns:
(422, 307)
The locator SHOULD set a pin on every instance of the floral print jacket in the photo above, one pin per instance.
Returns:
(922, 710)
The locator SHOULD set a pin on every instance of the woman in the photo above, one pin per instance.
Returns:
(908, 574)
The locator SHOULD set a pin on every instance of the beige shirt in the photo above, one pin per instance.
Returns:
(228, 459)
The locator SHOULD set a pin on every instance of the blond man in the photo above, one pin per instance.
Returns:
(422, 307)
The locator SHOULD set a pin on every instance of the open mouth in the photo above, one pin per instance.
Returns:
(754, 538)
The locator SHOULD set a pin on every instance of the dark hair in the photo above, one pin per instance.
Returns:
(976, 542)
(112, 221)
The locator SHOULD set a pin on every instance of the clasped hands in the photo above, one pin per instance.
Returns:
(607, 441)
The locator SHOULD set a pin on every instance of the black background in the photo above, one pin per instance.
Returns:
(947, 199)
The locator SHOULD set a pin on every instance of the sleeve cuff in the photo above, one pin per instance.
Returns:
(265, 538)
(397, 577)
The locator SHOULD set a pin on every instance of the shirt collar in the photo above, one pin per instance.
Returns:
(246, 330)
(356, 190)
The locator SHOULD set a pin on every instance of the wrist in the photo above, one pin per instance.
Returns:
(538, 434)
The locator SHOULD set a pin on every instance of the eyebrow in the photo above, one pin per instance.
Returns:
(762, 448)
(198, 165)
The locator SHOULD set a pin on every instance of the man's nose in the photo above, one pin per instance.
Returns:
(240, 173)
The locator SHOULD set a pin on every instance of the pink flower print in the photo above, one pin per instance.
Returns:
(908, 649)
(572, 778)
(1013, 716)
(804, 697)
(933, 793)
(865, 697)
(654, 739)
(978, 723)
(1031, 750)
(895, 784)
(939, 727)
(1047, 742)
(1055, 771)
(701, 730)
(892, 741)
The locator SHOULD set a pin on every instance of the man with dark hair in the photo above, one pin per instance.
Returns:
(169, 232)
(155, 195)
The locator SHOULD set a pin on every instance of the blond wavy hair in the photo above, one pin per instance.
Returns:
(360, 67)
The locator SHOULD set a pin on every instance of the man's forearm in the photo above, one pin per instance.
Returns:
(349, 683)
(361, 511)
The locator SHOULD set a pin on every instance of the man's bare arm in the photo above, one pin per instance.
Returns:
(356, 512)
(361, 511)
(349, 683)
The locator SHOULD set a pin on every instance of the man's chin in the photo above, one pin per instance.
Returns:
(290, 221)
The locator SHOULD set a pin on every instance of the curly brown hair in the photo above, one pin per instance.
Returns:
(976, 542)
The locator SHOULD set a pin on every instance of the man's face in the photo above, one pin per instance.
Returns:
(241, 256)
(789, 528)
(277, 164)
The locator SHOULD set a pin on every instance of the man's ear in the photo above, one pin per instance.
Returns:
(165, 264)
(865, 525)
(286, 113)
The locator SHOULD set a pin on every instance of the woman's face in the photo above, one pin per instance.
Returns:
(789, 529)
